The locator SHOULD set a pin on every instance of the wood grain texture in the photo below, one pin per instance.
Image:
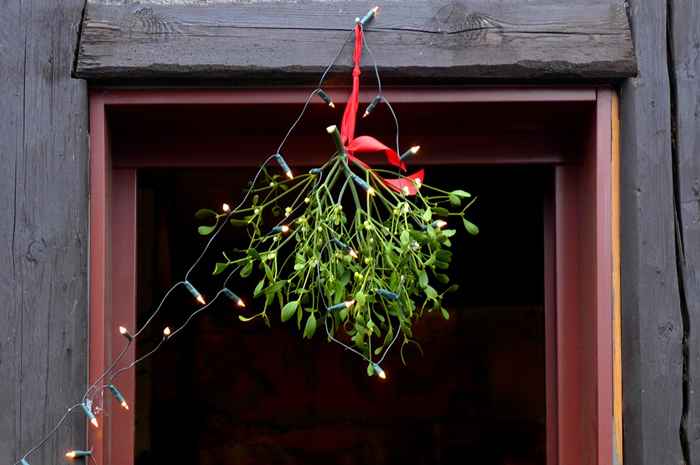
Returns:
(43, 227)
(417, 39)
(652, 325)
(684, 74)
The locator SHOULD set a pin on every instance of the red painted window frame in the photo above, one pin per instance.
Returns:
(578, 262)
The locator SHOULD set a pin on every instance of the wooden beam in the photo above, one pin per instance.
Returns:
(43, 229)
(684, 76)
(652, 324)
(411, 39)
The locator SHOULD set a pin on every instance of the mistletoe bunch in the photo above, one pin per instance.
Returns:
(343, 247)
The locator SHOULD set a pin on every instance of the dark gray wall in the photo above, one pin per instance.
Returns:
(43, 227)
(660, 222)
(43, 195)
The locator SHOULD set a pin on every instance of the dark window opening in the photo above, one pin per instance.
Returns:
(224, 391)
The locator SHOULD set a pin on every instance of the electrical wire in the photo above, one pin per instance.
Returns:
(110, 371)
(379, 89)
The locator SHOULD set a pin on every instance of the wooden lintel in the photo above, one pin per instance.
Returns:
(411, 39)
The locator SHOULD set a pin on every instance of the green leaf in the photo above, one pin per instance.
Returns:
(430, 292)
(310, 327)
(360, 299)
(470, 227)
(442, 265)
(427, 215)
(258, 288)
(443, 255)
(405, 237)
(275, 287)
(453, 288)
(423, 279)
(205, 230)
(445, 315)
(205, 213)
(449, 232)
(238, 223)
(442, 278)
(461, 193)
(454, 200)
(247, 318)
(247, 270)
(220, 267)
(289, 310)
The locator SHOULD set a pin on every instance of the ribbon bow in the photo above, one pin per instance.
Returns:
(367, 144)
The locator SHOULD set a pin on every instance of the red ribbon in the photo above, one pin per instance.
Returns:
(366, 144)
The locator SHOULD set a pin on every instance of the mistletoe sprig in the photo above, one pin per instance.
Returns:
(346, 250)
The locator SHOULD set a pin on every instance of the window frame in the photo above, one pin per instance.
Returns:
(579, 285)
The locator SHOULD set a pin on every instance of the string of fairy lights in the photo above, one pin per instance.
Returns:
(107, 381)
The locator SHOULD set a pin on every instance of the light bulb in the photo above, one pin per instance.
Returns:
(195, 293)
(387, 294)
(226, 208)
(118, 395)
(378, 370)
(362, 184)
(340, 306)
(234, 297)
(124, 332)
(368, 17)
(284, 229)
(166, 331)
(439, 224)
(410, 152)
(283, 164)
(88, 412)
(326, 98)
(375, 101)
(78, 453)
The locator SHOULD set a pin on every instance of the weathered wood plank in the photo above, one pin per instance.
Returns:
(471, 39)
(685, 100)
(43, 227)
(652, 322)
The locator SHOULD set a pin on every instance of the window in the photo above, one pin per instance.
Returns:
(549, 147)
